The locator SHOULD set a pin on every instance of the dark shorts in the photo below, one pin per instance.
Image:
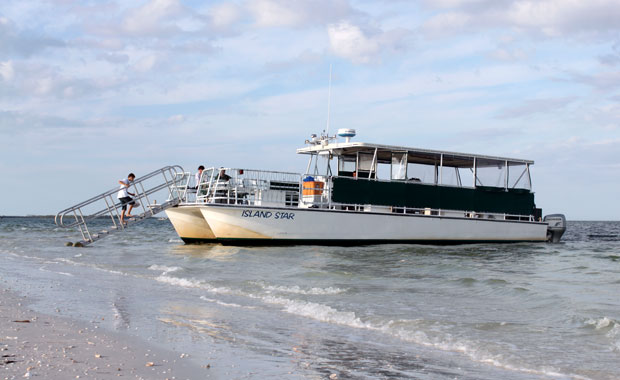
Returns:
(125, 201)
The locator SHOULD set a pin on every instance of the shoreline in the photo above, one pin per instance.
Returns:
(39, 345)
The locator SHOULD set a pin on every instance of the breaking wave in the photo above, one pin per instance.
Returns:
(406, 330)
(192, 283)
(163, 268)
(295, 289)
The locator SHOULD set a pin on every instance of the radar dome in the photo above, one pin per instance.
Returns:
(347, 133)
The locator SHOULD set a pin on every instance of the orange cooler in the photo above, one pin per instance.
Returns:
(313, 188)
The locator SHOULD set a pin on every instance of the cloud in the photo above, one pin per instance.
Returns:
(305, 58)
(299, 13)
(534, 106)
(16, 122)
(16, 43)
(553, 18)
(6, 71)
(114, 58)
(223, 17)
(363, 46)
(509, 54)
(600, 81)
(156, 17)
(28, 82)
(613, 58)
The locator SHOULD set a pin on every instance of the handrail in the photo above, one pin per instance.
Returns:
(211, 183)
(172, 171)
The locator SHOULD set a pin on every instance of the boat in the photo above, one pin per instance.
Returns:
(356, 193)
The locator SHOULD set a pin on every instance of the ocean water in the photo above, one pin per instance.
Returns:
(517, 311)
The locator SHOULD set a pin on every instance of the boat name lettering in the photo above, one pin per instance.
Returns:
(267, 214)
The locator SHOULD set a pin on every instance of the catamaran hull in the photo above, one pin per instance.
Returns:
(262, 225)
(190, 224)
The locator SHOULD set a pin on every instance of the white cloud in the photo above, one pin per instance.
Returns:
(349, 41)
(151, 18)
(6, 71)
(162, 19)
(534, 106)
(555, 17)
(223, 16)
(298, 13)
(509, 54)
(177, 119)
(361, 46)
(446, 23)
(552, 18)
(145, 63)
(17, 43)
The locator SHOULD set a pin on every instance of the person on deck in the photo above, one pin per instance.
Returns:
(198, 175)
(223, 176)
(125, 196)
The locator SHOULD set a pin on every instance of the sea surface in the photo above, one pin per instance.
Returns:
(484, 311)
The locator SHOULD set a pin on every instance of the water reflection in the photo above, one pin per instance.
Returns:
(206, 251)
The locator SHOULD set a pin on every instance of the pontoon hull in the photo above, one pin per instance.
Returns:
(190, 224)
(261, 225)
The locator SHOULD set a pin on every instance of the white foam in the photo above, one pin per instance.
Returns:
(225, 303)
(192, 283)
(163, 268)
(43, 269)
(317, 311)
(600, 323)
(295, 289)
(441, 340)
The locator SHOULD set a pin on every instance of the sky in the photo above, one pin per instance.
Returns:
(93, 89)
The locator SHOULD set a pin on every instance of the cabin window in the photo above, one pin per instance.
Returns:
(490, 173)
(420, 173)
(399, 166)
(346, 166)
(519, 176)
(366, 166)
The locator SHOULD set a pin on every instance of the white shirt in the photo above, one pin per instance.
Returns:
(198, 178)
(123, 191)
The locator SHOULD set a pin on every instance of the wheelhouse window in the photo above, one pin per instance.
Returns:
(399, 166)
(366, 166)
(346, 166)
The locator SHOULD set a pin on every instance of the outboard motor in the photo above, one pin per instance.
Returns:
(556, 225)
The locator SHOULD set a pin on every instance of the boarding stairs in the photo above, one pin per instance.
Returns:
(170, 182)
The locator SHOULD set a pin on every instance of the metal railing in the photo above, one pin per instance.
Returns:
(236, 186)
(169, 181)
(248, 186)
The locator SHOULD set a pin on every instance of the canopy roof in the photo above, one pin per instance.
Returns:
(414, 155)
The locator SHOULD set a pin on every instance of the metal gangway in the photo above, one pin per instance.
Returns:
(170, 182)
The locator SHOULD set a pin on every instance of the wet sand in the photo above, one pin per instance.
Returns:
(34, 345)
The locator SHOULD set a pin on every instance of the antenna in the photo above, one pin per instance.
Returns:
(329, 96)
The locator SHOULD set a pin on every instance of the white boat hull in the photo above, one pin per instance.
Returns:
(190, 224)
(250, 225)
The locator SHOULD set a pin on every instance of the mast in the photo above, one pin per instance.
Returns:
(329, 97)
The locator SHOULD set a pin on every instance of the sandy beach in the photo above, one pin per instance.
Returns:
(34, 345)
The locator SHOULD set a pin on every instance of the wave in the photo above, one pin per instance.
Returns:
(601, 323)
(43, 269)
(88, 265)
(192, 283)
(406, 330)
(610, 327)
(163, 268)
(227, 304)
(295, 289)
